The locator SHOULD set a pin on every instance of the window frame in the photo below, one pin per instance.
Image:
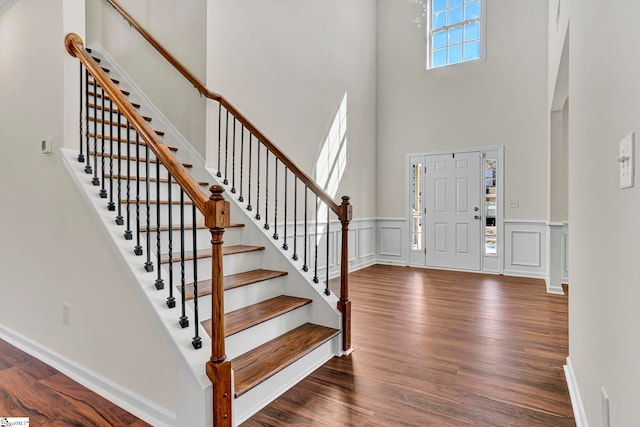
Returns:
(429, 33)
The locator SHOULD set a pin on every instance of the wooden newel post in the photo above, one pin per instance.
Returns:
(216, 218)
(344, 305)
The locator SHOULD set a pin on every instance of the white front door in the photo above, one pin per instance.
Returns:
(453, 211)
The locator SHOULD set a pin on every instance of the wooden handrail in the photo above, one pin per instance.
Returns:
(202, 89)
(75, 47)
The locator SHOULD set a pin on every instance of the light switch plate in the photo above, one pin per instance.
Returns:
(626, 158)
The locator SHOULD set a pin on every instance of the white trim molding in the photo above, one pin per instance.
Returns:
(574, 393)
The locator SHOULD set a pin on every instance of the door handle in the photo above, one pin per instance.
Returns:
(476, 217)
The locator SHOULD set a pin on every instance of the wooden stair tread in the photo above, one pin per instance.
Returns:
(134, 159)
(113, 110)
(206, 253)
(124, 140)
(233, 281)
(124, 125)
(186, 227)
(187, 202)
(153, 179)
(115, 81)
(270, 358)
(124, 92)
(247, 317)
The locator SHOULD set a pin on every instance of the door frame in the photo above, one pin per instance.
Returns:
(493, 264)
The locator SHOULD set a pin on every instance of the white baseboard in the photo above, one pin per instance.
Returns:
(137, 405)
(574, 392)
(556, 290)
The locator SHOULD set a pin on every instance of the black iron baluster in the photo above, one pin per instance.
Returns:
(219, 173)
(258, 187)
(81, 153)
(295, 218)
(184, 320)
(249, 207)
(171, 301)
(286, 195)
(95, 181)
(127, 234)
(159, 282)
(196, 341)
(315, 238)
(103, 191)
(233, 159)
(327, 291)
(241, 198)
(275, 203)
(87, 169)
(111, 206)
(138, 248)
(305, 266)
(226, 150)
(119, 219)
(148, 266)
(266, 190)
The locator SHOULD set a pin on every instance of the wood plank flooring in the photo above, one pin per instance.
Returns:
(432, 348)
(436, 348)
(30, 388)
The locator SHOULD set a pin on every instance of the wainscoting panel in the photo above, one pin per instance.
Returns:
(526, 248)
(391, 242)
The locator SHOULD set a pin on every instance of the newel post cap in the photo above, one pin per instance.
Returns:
(216, 209)
(347, 209)
(71, 40)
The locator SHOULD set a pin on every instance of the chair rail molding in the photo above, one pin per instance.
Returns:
(6, 5)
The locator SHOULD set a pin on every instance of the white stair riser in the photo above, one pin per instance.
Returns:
(251, 338)
(232, 264)
(164, 213)
(232, 236)
(133, 165)
(252, 294)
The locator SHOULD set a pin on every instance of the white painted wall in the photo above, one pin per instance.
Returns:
(500, 101)
(51, 251)
(604, 241)
(287, 65)
(180, 26)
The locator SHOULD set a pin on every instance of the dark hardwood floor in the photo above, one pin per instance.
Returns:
(432, 348)
(436, 348)
(30, 388)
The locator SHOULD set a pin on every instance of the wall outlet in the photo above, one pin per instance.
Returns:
(606, 420)
(65, 313)
(514, 203)
(46, 146)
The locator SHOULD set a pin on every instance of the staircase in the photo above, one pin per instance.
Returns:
(280, 321)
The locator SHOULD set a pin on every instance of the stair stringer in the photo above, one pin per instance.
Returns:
(194, 389)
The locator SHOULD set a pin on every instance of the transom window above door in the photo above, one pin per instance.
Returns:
(455, 31)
